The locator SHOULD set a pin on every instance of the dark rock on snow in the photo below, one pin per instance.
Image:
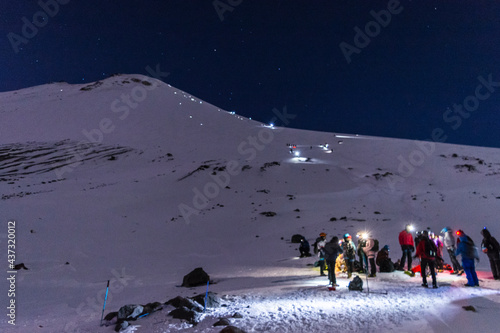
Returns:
(130, 311)
(232, 329)
(180, 302)
(184, 313)
(121, 326)
(110, 316)
(469, 308)
(152, 307)
(197, 277)
(237, 315)
(223, 322)
(268, 214)
(213, 301)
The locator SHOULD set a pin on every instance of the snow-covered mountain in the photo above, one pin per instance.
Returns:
(132, 180)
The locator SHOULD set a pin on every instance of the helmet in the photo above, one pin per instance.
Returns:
(322, 234)
(347, 236)
(445, 229)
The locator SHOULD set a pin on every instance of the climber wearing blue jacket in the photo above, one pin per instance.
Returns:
(469, 253)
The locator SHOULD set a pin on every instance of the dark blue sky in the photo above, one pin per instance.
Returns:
(267, 54)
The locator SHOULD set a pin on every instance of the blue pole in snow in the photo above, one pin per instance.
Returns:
(206, 296)
(105, 298)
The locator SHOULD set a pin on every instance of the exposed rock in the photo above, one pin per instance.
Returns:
(180, 302)
(110, 316)
(222, 322)
(231, 329)
(152, 307)
(469, 308)
(121, 326)
(130, 311)
(268, 214)
(198, 277)
(185, 314)
(213, 301)
(20, 266)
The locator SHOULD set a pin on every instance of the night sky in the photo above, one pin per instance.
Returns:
(424, 68)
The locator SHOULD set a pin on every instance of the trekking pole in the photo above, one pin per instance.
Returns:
(105, 298)
(206, 297)
(367, 286)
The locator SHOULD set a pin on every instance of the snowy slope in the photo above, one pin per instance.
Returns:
(135, 181)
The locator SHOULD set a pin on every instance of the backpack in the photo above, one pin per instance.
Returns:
(430, 248)
(315, 245)
(490, 245)
(375, 245)
(349, 250)
(356, 284)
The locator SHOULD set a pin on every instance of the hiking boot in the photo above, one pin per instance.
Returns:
(460, 272)
(434, 286)
(372, 275)
(468, 285)
(410, 273)
(322, 274)
(425, 285)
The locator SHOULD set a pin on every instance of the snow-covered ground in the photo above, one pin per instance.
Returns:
(134, 181)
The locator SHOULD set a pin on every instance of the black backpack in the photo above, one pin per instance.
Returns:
(430, 248)
(375, 245)
(350, 252)
(356, 284)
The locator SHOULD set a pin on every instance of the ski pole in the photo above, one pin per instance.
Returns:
(105, 298)
(206, 296)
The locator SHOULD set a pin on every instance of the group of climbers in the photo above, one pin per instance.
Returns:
(426, 245)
